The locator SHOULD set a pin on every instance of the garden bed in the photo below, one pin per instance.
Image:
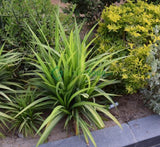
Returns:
(130, 107)
(71, 81)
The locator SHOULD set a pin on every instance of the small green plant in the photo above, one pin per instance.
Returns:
(24, 110)
(129, 27)
(73, 93)
(152, 92)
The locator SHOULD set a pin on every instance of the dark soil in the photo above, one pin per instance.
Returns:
(130, 107)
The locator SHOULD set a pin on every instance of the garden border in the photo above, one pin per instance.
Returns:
(143, 132)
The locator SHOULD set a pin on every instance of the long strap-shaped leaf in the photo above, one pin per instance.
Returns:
(56, 111)
(49, 129)
(86, 132)
(106, 112)
(5, 116)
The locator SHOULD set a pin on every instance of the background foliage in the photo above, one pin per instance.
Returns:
(153, 1)
(15, 14)
(89, 9)
(39, 14)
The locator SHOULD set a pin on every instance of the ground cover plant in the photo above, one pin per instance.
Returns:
(25, 110)
(129, 26)
(74, 93)
(14, 98)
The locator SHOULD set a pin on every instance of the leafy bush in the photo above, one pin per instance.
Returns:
(89, 9)
(73, 93)
(14, 15)
(133, 70)
(152, 92)
(39, 14)
(129, 27)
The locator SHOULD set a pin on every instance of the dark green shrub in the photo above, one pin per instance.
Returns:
(129, 27)
(15, 14)
(89, 9)
(153, 1)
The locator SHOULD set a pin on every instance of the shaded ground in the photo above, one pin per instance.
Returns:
(130, 107)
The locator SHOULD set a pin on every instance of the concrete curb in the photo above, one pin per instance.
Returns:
(144, 132)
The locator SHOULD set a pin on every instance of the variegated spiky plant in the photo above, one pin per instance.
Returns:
(73, 93)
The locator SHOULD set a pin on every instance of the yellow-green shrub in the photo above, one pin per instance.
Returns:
(133, 69)
(129, 27)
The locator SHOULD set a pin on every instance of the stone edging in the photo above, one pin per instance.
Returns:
(143, 132)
